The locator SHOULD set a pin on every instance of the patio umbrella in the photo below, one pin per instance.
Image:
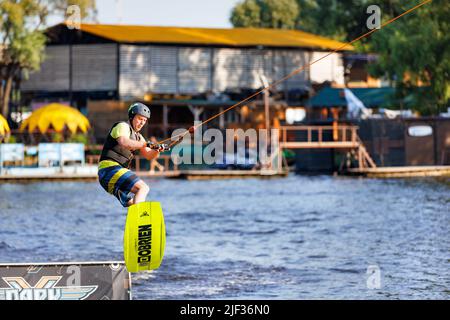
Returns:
(55, 116)
(4, 128)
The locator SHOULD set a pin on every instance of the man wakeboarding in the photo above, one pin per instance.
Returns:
(122, 143)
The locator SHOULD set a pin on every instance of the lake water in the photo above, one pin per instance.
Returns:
(300, 237)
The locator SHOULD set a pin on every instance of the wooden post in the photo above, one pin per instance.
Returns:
(335, 113)
(165, 119)
(70, 74)
(266, 109)
(280, 159)
(166, 163)
(175, 165)
(1, 158)
(196, 111)
(360, 159)
(221, 119)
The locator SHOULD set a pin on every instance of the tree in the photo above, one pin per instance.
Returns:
(280, 14)
(412, 51)
(88, 8)
(246, 14)
(22, 44)
(415, 51)
(340, 20)
(332, 18)
(22, 38)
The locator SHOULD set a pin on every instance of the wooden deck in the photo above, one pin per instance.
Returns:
(48, 177)
(39, 175)
(319, 145)
(185, 174)
(229, 174)
(401, 172)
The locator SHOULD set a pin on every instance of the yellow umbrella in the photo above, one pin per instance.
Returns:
(4, 128)
(58, 116)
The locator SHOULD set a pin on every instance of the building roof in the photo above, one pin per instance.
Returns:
(334, 97)
(237, 37)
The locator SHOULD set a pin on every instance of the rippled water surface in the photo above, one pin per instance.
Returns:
(291, 238)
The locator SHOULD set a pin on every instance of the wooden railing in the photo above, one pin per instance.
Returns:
(341, 136)
(338, 137)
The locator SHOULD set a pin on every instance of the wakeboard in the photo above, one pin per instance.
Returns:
(144, 237)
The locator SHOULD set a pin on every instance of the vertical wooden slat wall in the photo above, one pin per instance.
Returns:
(134, 71)
(254, 68)
(53, 74)
(189, 70)
(94, 67)
(177, 70)
(163, 69)
(294, 60)
(230, 65)
(194, 70)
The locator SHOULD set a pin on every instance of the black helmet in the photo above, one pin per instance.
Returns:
(138, 108)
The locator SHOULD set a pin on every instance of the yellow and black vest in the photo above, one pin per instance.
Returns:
(113, 151)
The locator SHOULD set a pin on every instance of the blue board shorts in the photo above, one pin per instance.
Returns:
(117, 180)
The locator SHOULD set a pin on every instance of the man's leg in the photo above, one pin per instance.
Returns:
(130, 189)
(140, 189)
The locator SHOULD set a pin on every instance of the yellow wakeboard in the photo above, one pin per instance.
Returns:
(144, 237)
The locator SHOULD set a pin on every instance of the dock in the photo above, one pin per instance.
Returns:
(48, 173)
(89, 173)
(400, 172)
(229, 174)
(82, 173)
(343, 138)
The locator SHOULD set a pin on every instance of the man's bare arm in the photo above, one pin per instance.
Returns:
(131, 144)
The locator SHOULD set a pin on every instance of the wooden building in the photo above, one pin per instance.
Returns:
(198, 69)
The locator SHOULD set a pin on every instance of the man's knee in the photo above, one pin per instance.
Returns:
(142, 186)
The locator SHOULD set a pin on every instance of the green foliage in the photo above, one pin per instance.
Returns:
(88, 8)
(22, 39)
(416, 50)
(265, 14)
(340, 20)
(11, 139)
(413, 50)
(57, 137)
(27, 49)
(246, 14)
(79, 138)
(22, 43)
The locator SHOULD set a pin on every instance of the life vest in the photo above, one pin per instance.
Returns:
(112, 150)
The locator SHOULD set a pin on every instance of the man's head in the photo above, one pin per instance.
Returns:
(138, 114)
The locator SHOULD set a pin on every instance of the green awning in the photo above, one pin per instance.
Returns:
(371, 97)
